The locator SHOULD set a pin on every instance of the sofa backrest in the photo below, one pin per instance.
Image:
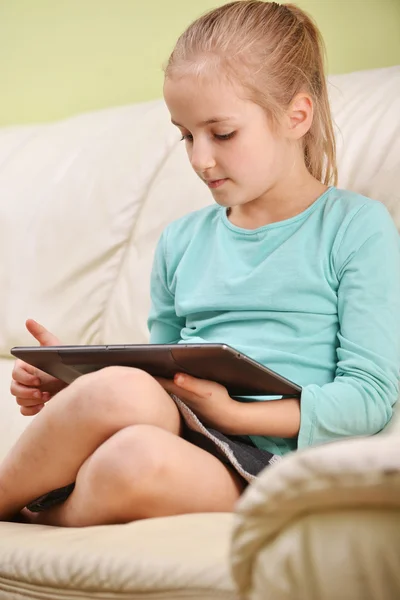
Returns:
(83, 202)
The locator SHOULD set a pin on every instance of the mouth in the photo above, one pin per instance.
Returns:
(215, 183)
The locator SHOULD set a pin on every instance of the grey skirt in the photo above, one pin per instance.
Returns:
(237, 452)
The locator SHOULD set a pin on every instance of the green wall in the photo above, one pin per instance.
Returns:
(61, 57)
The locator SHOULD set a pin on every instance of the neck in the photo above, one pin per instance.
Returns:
(286, 199)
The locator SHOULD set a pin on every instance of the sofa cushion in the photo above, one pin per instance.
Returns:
(366, 109)
(71, 195)
(336, 554)
(180, 557)
(281, 510)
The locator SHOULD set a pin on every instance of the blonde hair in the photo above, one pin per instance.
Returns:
(275, 51)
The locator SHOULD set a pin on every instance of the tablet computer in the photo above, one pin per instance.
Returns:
(221, 363)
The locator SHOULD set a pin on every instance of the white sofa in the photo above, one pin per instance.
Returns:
(82, 203)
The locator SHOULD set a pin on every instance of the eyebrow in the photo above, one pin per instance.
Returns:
(208, 122)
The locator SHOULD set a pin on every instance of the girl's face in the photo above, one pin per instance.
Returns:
(229, 141)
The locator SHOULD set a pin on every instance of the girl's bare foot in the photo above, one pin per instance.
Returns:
(25, 516)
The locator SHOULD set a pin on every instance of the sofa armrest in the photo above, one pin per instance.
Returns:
(322, 524)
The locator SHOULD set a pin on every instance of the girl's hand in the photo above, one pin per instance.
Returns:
(210, 401)
(32, 387)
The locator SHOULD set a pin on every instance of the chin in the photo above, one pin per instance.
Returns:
(225, 199)
(225, 202)
(228, 201)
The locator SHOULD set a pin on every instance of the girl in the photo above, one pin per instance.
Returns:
(296, 273)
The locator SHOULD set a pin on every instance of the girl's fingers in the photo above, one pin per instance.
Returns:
(43, 335)
(26, 378)
(30, 411)
(21, 365)
(23, 391)
(29, 402)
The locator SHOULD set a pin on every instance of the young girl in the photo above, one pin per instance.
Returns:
(287, 268)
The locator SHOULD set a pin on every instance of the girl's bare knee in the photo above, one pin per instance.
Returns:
(127, 466)
(122, 394)
(110, 381)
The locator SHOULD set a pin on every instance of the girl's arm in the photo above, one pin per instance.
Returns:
(274, 418)
(360, 399)
(164, 326)
(211, 402)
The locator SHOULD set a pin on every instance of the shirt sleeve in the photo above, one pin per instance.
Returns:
(360, 399)
(163, 323)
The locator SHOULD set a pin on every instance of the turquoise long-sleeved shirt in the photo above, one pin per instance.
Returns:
(315, 297)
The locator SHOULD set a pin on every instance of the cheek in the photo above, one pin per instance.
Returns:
(253, 162)
(241, 157)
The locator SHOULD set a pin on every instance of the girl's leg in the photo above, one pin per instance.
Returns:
(80, 418)
(144, 471)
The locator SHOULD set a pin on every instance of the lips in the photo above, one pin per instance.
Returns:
(214, 183)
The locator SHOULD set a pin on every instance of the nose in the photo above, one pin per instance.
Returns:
(201, 156)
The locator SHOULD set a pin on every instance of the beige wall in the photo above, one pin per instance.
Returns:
(61, 57)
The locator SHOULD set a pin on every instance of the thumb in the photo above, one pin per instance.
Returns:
(201, 387)
(41, 334)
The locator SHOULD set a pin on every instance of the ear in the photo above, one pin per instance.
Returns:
(299, 116)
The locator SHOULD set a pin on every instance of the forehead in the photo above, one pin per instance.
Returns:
(192, 99)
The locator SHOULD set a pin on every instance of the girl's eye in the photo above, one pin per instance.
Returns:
(226, 136)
